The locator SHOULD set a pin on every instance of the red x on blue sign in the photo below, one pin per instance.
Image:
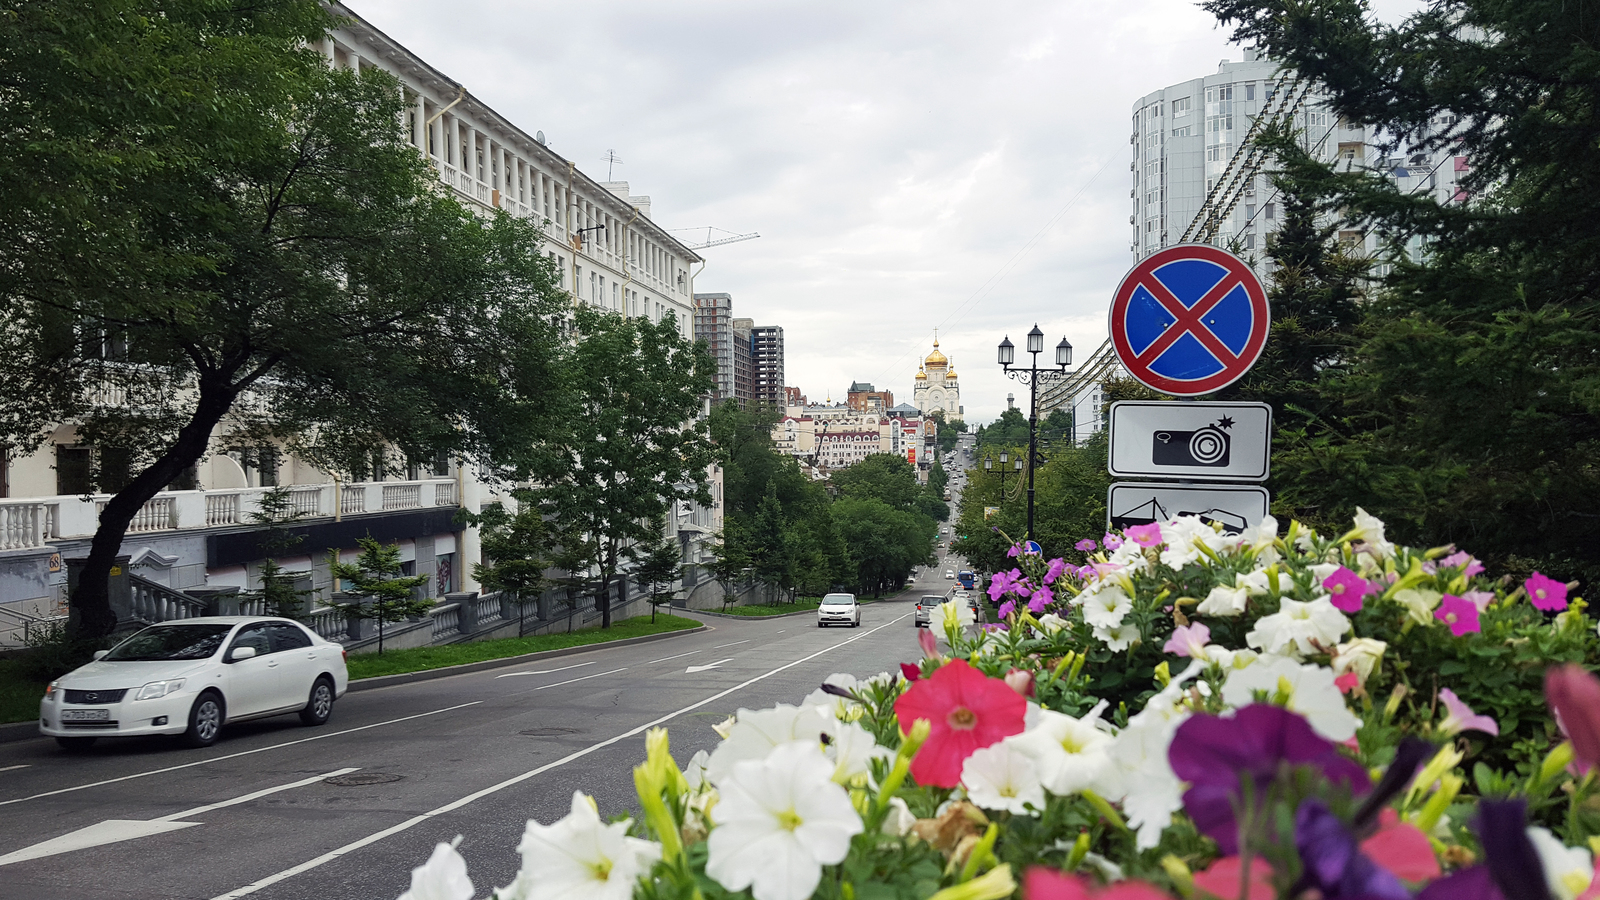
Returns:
(1189, 320)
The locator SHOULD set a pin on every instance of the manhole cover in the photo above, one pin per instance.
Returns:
(550, 732)
(357, 779)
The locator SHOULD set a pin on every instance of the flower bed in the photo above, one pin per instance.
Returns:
(1191, 714)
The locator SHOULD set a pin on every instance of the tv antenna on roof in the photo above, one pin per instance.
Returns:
(612, 160)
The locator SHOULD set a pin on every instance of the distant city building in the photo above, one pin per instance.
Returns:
(937, 389)
(834, 436)
(713, 324)
(743, 366)
(793, 396)
(766, 365)
(863, 397)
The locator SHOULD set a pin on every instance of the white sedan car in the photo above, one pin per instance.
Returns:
(839, 609)
(192, 676)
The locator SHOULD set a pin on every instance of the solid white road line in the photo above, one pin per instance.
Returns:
(214, 759)
(650, 663)
(547, 671)
(114, 831)
(414, 821)
(9, 768)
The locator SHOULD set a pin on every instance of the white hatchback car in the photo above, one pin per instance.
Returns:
(839, 609)
(192, 676)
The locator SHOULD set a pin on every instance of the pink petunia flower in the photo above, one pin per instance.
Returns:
(1013, 551)
(1110, 541)
(1086, 545)
(1144, 535)
(967, 711)
(1347, 682)
(1463, 558)
(1480, 599)
(1345, 589)
(1042, 598)
(1545, 592)
(1223, 879)
(1007, 608)
(1057, 566)
(911, 672)
(1043, 883)
(1188, 640)
(1402, 848)
(1459, 613)
(1574, 697)
(1459, 717)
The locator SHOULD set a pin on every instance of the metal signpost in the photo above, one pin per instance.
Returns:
(1186, 321)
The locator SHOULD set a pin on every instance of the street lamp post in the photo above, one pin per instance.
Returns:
(1031, 377)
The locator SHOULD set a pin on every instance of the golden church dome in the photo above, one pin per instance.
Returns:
(950, 375)
(936, 358)
(921, 375)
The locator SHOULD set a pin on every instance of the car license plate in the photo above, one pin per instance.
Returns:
(86, 715)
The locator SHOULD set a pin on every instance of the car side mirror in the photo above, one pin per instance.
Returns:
(239, 653)
(100, 653)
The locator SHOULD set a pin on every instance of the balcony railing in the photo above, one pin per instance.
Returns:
(29, 523)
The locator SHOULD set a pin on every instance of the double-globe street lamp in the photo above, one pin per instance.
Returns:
(988, 468)
(1031, 377)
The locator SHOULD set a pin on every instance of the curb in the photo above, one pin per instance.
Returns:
(803, 612)
(383, 681)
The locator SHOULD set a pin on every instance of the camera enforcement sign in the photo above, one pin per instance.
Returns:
(1189, 320)
(1203, 441)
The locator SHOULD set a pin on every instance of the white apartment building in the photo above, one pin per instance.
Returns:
(833, 437)
(611, 254)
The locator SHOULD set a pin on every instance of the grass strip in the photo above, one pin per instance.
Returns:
(19, 694)
(419, 659)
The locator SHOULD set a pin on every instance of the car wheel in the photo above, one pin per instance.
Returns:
(76, 744)
(319, 706)
(205, 720)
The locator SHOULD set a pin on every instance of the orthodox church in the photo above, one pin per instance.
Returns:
(937, 387)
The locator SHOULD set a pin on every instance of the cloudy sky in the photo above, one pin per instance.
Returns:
(909, 165)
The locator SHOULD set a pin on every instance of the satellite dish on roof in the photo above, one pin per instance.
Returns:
(539, 136)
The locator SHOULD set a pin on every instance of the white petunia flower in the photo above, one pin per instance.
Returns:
(1259, 586)
(1184, 536)
(1362, 656)
(1567, 870)
(1322, 571)
(781, 819)
(1297, 628)
(1224, 601)
(1369, 530)
(842, 708)
(1309, 690)
(852, 750)
(1107, 607)
(1070, 754)
(695, 771)
(442, 877)
(1260, 538)
(953, 616)
(1001, 777)
(756, 732)
(1119, 638)
(1419, 603)
(899, 820)
(580, 856)
(1050, 623)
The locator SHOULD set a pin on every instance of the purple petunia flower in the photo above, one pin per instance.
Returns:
(1144, 535)
(1001, 584)
(1512, 860)
(1345, 589)
(1042, 598)
(1057, 566)
(1213, 754)
(1462, 558)
(1007, 608)
(1334, 863)
(1471, 883)
(1086, 545)
(1013, 551)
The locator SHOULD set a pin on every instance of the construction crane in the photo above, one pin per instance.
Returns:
(711, 241)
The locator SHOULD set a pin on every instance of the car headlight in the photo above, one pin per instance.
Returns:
(158, 689)
(51, 689)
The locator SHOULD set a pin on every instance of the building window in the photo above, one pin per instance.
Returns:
(74, 470)
(440, 467)
(1271, 211)
(1249, 92)
(1180, 107)
(1185, 131)
(1249, 242)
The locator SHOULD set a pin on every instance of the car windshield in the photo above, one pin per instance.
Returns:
(171, 642)
(838, 600)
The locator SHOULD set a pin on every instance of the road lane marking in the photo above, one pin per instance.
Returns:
(662, 659)
(734, 644)
(94, 784)
(705, 668)
(571, 680)
(114, 831)
(414, 821)
(547, 671)
(9, 768)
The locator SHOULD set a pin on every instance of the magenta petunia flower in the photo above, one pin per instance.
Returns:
(1042, 598)
(1144, 535)
(1345, 589)
(1086, 545)
(1110, 541)
(1014, 551)
(1007, 608)
(1459, 613)
(1545, 592)
(1057, 566)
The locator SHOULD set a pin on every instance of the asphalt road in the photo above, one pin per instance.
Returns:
(475, 755)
